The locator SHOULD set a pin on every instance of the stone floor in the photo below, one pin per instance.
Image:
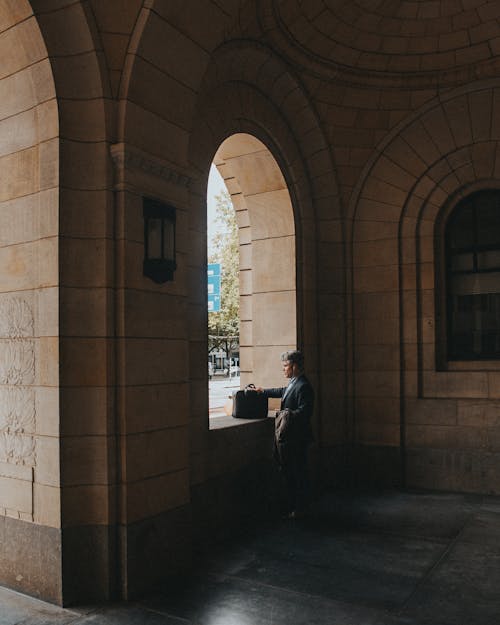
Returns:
(392, 558)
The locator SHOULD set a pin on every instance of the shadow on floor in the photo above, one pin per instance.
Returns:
(392, 558)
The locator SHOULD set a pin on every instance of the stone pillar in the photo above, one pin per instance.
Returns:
(152, 380)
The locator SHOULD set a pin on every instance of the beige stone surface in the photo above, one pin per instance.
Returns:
(372, 332)
(377, 383)
(380, 306)
(84, 262)
(16, 495)
(164, 95)
(62, 29)
(47, 470)
(158, 494)
(150, 454)
(274, 319)
(377, 409)
(245, 255)
(47, 505)
(376, 253)
(20, 218)
(494, 385)
(246, 334)
(47, 361)
(273, 266)
(246, 282)
(83, 120)
(151, 408)
(18, 174)
(271, 214)
(239, 143)
(47, 406)
(19, 132)
(478, 413)
(378, 433)
(267, 365)
(16, 471)
(82, 76)
(369, 359)
(83, 213)
(167, 314)
(85, 165)
(443, 437)
(86, 312)
(150, 361)
(84, 460)
(153, 133)
(376, 122)
(47, 312)
(92, 357)
(174, 43)
(12, 12)
(46, 261)
(87, 504)
(376, 279)
(473, 385)
(86, 410)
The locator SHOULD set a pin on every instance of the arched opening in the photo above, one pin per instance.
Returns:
(267, 256)
(223, 269)
(472, 248)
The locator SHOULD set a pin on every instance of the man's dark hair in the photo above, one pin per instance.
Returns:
(294, 356)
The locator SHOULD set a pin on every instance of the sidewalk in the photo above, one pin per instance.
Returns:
(219, 391)
(393, 558)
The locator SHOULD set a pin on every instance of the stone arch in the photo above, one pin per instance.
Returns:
(56, 211)
(438, 155)
(248, 90)
(267, 254)
(168, 134)
(29, 159)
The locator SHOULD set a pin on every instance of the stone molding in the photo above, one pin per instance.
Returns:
(126, 157)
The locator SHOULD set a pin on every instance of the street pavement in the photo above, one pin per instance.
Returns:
(220, 388)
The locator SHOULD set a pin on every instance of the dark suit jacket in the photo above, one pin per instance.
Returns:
(300, 402)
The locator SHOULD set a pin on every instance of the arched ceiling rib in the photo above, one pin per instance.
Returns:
(387, 38)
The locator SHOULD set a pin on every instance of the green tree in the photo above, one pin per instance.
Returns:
(223, 326)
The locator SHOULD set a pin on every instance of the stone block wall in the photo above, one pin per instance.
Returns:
(346, 138)
(29, 333)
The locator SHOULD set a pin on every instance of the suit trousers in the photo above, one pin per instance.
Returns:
(296, 475)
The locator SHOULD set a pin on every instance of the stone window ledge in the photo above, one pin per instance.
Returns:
(221, 422)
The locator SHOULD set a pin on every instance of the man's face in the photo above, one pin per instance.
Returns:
(288, 369)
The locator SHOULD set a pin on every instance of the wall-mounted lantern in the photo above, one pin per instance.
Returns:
(159, 240)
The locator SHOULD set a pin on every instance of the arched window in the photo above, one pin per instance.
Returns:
(267, 264)
(472, 246)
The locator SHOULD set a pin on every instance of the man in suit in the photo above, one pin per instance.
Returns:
(293, 433)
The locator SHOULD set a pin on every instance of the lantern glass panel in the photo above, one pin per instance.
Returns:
(154, 238)
(168, 240)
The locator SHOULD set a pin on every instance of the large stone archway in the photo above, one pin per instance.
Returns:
(181, 484)
(29, 373)
(417, 414)
(55, 308)
(267, 255)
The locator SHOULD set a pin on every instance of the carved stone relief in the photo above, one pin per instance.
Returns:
(16, 318)
(17, 362)
(17, 374)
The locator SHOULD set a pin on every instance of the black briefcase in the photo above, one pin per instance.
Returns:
(249, 404)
